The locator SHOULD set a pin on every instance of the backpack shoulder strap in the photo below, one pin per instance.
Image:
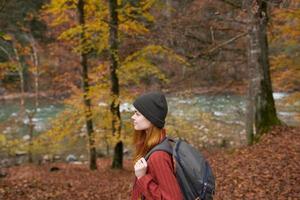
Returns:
(163, 146)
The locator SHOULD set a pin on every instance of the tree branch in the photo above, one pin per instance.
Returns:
(233, 3)
(2, 4)
(211, 50)
(6, 52)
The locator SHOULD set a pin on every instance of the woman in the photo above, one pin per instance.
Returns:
(155, 178)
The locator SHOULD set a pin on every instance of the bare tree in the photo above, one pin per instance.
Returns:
(261, 111)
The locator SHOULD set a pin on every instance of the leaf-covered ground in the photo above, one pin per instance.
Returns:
(268, 170)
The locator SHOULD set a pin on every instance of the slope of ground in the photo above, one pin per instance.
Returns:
(267, 170)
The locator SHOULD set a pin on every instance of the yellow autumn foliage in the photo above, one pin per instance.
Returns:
(2, 141)
(68, 129)
(285, 38)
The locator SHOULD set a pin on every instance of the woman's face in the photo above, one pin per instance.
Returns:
(139, 121)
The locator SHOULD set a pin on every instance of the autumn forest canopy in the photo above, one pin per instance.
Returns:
(160, 44)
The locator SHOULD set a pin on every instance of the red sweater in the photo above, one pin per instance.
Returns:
(160, 182)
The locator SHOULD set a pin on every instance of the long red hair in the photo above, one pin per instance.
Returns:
(145, 140)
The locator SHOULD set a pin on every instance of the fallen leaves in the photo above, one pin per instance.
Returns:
(33, 182)
(267, 170)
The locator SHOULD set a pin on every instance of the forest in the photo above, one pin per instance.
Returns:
(71, 69)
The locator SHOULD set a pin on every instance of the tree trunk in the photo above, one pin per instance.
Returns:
(21, 76)
(118, 155)
(250, 106)
(35, 60)
(261, 114)
(85, 86)
(30, 116)
(115, 103)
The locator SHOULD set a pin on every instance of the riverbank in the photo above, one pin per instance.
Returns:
(226, 89)
(267, 170)
(229, 88)
(45, 94)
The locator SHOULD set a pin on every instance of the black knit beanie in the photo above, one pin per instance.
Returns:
(153, 106)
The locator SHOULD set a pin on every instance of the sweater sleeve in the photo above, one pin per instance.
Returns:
(160, 183)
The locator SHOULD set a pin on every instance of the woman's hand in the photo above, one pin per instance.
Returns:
(140, 168)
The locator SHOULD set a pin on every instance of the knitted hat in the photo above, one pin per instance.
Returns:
(153, 106)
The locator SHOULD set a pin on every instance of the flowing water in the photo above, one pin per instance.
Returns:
(221, 117)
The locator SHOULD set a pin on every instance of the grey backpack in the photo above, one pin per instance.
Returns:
(193, 172)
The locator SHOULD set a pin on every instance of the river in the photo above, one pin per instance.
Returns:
(221, 117)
